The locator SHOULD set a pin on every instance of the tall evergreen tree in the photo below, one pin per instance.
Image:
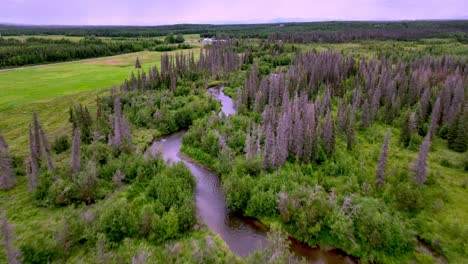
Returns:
(75, 162)
(420, 164)
(32, 162)
(458, 131)
(408, 129)
(435, 117)
(137, 63)
(328, 134)
(366, 115)
(7, 175)
(11, 252)
(382, 163)
(81, 118)
(350, 131)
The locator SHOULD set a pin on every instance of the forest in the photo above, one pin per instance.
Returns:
(358, 155)
(35, 50)
(238, 31)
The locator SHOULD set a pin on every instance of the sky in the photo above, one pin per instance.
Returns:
(164, 12)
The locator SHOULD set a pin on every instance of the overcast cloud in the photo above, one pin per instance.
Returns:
(157, 12)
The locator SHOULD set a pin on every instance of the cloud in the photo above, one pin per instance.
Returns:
(152, 12)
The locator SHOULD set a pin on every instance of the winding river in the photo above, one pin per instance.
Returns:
(242, 235)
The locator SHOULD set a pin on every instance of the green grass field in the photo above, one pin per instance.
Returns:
(37, 83)
(49, 90)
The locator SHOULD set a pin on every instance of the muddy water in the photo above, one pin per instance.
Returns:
(242, 235)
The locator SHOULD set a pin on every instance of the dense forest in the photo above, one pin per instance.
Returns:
(238, 31)
(338, 149)
(35, 50)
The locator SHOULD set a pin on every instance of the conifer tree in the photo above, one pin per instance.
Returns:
(328, 134)
(350, 132)
(435, 117)
(457, 132)
(382, 163)
(121, 131)
(366, 115)
(11, 252)
(32, 162)
(408, 129)
(420, 164)
(81, 118)
(137, 63)
(7, 175)
(75, 162)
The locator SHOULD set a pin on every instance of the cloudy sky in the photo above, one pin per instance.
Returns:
(157, 12)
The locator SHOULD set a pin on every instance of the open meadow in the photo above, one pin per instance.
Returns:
(50, 90)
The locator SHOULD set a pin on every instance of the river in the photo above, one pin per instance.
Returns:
(242, 235)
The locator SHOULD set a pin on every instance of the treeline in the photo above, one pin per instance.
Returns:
(404, 34)
(240, 31)
(33, 50)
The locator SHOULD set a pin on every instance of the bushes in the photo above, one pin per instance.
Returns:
(172, 186)
(61, 144)
(238, 192)
(381, 232)
(118, 222)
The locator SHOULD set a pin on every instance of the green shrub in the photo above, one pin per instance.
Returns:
(238, 192)
(172, 186)
(118, 222)
(40, 252)
(61, 144)
(379, 231)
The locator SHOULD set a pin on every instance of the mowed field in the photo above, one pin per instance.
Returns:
(49, 90)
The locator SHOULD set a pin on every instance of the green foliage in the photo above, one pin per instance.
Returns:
(118, 222)
(38, 252)
(381, 232)
(238, 192)
(61, 144)
(172, 186)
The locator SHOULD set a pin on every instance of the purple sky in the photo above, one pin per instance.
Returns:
(156, 12)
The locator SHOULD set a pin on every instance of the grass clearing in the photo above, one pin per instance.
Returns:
(49, 90)
(38, 83)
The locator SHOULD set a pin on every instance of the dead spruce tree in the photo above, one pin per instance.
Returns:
(383, 160)
(7, 174)
(328, 135)
(121, 136)
(38, 149)
(75, 161)
(420, 164)
(12, 254)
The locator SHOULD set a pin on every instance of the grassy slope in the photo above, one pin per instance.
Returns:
(50, 90)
